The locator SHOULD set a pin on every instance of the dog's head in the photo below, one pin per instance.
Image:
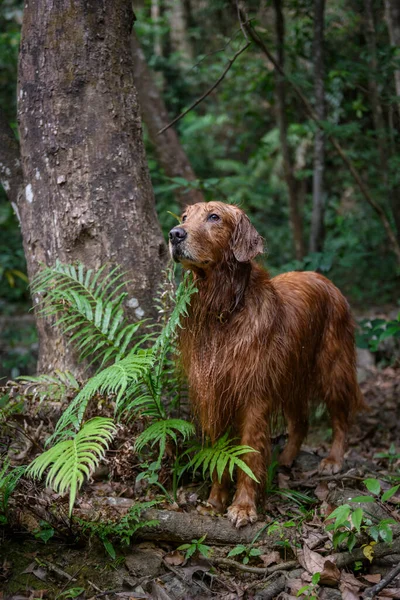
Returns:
(212, 232)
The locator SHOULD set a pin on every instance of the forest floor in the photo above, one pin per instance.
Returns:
(278, 556)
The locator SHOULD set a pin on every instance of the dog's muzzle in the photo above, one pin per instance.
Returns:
(177, 235)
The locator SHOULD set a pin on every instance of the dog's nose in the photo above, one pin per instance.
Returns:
(177, 235)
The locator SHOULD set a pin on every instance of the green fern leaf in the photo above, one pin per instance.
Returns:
(159, 431)
(70, 461)
(222, 455)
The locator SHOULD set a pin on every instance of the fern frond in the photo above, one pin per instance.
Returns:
(56, 386)
(87, 305)
(223, 454)
(9, 477)
(113, 380)
(70, 461)
(158, 432)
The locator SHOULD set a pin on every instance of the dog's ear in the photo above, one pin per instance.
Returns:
(246, 242)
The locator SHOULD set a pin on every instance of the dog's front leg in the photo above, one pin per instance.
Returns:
(254, 433)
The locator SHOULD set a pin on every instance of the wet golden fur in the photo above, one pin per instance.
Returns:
(253, 347)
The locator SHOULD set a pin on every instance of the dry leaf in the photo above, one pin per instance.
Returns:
(283, 481)
(312, 561)
(174, 558)
(349, 586)
(271, 558)
(373, 578)
(322, 491)
(295, 585)
(330, 574)
(389, 593)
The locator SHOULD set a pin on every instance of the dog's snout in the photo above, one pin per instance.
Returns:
(177, 235)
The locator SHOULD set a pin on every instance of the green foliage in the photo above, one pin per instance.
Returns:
(159, 431)
(44, 532)
(392, 456)
(9, 477)
(87, 306)
(375, 331)
(56, 387)
(248, 551)
(311, 590)
(196, 546)
(347, 522)
(70, 461)
(220, 456)
(123, 530)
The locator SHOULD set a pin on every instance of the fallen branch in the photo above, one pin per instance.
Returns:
(208, 92)
(343, 559)
(374, 590)
(233, 564)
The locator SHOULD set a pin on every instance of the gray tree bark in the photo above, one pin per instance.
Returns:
(317, 218)
(88, 195)
(280, 94)
(180, 42)
(169, 151)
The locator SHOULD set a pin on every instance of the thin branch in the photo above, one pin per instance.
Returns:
(374, 590)
(226, 562)
(208, 92)
(347, 161)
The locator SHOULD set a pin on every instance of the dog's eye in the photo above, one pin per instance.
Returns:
(213, 217)
(184, 218)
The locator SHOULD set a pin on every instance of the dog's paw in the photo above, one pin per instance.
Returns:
(329, 466)
(241, 515)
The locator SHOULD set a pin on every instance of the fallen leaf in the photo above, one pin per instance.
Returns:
(295, 585)
(271, 558)
(283, 481)
(175, 558)
(330, 574)
(373, 578)
(322, 491)
(349, 586)
(368, 550)
(389, 593)
(190, 571)
(312, 561)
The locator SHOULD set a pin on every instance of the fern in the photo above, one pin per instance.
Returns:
(223, 454)
(9, 478)
(56, 386)
(70, 461)
(87, 305)
(159, 431)
(113, 380)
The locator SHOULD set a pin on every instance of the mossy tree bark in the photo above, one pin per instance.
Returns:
(87, 195)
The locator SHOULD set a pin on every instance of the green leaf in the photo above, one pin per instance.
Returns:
(363, 499)
(356, 518)
(340, 514)
(237, 550)
(385, 533)
(373, 486)
(109, 547)
(315, 578)
(389, 493)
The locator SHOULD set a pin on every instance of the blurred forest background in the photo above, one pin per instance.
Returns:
(251, 141)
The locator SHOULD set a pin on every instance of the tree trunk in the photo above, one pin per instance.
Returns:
(317, 218)
(88, 195)
(392, 9)
(376, 106)
(180, 42)
(169, 151)
(11, 177)
(280, 93)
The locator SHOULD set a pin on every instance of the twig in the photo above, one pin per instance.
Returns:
(374, 590)
(73, 578)
(346, 160)
(208, 92)
(59, 571)
(225, 562)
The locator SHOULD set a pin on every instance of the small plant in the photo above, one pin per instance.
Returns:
(311, 590)
(373, 332)
(45, 532)
(123, 530)
(248, 551)
(196, 546)
(348, 522)
(392, 456)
